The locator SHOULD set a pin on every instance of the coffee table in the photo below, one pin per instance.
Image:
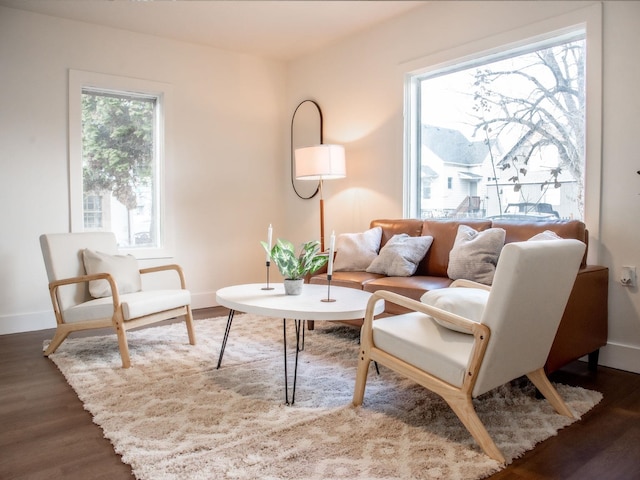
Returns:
(346, 304)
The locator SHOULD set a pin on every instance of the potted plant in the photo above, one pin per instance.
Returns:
(294, 267)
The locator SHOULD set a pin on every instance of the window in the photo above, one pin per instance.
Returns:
(522, 189)
(93, 214)
(503, 135)
(117, 144)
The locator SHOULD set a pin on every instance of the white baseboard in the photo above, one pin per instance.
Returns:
(620, 356)
(27, 322)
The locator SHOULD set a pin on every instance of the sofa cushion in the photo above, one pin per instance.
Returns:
(356, 251)
(522, 231)
(444, 234)
(410, 226)
(346, 279)
(123, 268)
(474, 255)
(412, 287)
(465, 302)
(400, 256)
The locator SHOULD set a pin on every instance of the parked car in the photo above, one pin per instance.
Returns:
(528, 212)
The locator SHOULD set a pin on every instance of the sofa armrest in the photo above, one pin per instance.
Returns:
(584, 325)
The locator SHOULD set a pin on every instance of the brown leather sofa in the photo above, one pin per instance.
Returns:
(583, 329)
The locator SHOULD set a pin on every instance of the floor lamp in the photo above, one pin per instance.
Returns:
(320, 162)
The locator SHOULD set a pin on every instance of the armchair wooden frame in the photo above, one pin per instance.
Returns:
(116, 321)
(458, 398)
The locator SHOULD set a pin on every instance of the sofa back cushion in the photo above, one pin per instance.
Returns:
(522, 231)
(410, 226)
(444, 234)
(436, 261)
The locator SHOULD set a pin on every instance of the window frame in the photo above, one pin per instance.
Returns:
(589, 19)
(80, 80)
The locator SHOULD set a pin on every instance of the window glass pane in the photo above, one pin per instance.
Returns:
(120, 167)
(504, 136)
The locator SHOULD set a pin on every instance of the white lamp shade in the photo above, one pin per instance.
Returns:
(320, 162)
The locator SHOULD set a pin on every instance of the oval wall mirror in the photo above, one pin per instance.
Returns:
(306, 130)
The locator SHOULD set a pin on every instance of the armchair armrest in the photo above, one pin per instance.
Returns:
(469, 284)
(163, 268)
(55, 285)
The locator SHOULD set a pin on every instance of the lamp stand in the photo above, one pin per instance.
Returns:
(321, 218)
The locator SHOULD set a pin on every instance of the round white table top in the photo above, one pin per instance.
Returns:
(350, 303)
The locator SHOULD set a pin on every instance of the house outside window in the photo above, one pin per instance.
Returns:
(93, 215)
(502, 135)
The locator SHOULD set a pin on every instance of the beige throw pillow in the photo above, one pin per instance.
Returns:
(356, 251)
(123, 268)
(474, 255)
(401, 255)
(465, 302)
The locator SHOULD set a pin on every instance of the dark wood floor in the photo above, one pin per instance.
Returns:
(46, 434)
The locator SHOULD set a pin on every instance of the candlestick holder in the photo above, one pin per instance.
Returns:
(268, 287)
(328, 299)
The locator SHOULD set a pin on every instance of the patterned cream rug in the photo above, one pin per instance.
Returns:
(172, 415)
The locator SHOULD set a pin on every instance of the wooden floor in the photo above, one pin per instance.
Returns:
(46, 434)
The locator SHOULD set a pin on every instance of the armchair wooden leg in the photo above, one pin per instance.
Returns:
(463, 408)
(542, 383)
(189, 321)
(59, 337)
(361, 377)
(124, 347)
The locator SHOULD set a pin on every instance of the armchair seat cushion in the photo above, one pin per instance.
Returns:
(134, 305)
(418, 340)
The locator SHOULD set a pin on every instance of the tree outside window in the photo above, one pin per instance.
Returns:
(119, 165)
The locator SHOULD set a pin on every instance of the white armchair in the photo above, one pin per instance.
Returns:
(114, 281)
(511, 337)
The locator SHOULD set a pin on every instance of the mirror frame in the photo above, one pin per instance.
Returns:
(293, 146)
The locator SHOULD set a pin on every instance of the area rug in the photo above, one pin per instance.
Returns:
(173, 415)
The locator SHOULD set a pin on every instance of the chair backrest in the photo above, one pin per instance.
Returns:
(530, 290)
(62, 253)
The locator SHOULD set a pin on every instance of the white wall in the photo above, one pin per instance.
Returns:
(359, 85)
(223, 176)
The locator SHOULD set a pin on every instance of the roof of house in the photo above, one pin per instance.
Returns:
(453, 147)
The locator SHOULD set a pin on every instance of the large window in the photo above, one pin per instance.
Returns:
(509, 125)
(503, 135)
(116, 161)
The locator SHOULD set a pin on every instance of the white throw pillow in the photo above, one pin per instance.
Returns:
(465, 302)
(474, 255)
(123, 268)
(356, 251)
(546, 235)
(401, 255)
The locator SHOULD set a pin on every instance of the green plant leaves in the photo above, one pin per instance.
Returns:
(292, 266)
